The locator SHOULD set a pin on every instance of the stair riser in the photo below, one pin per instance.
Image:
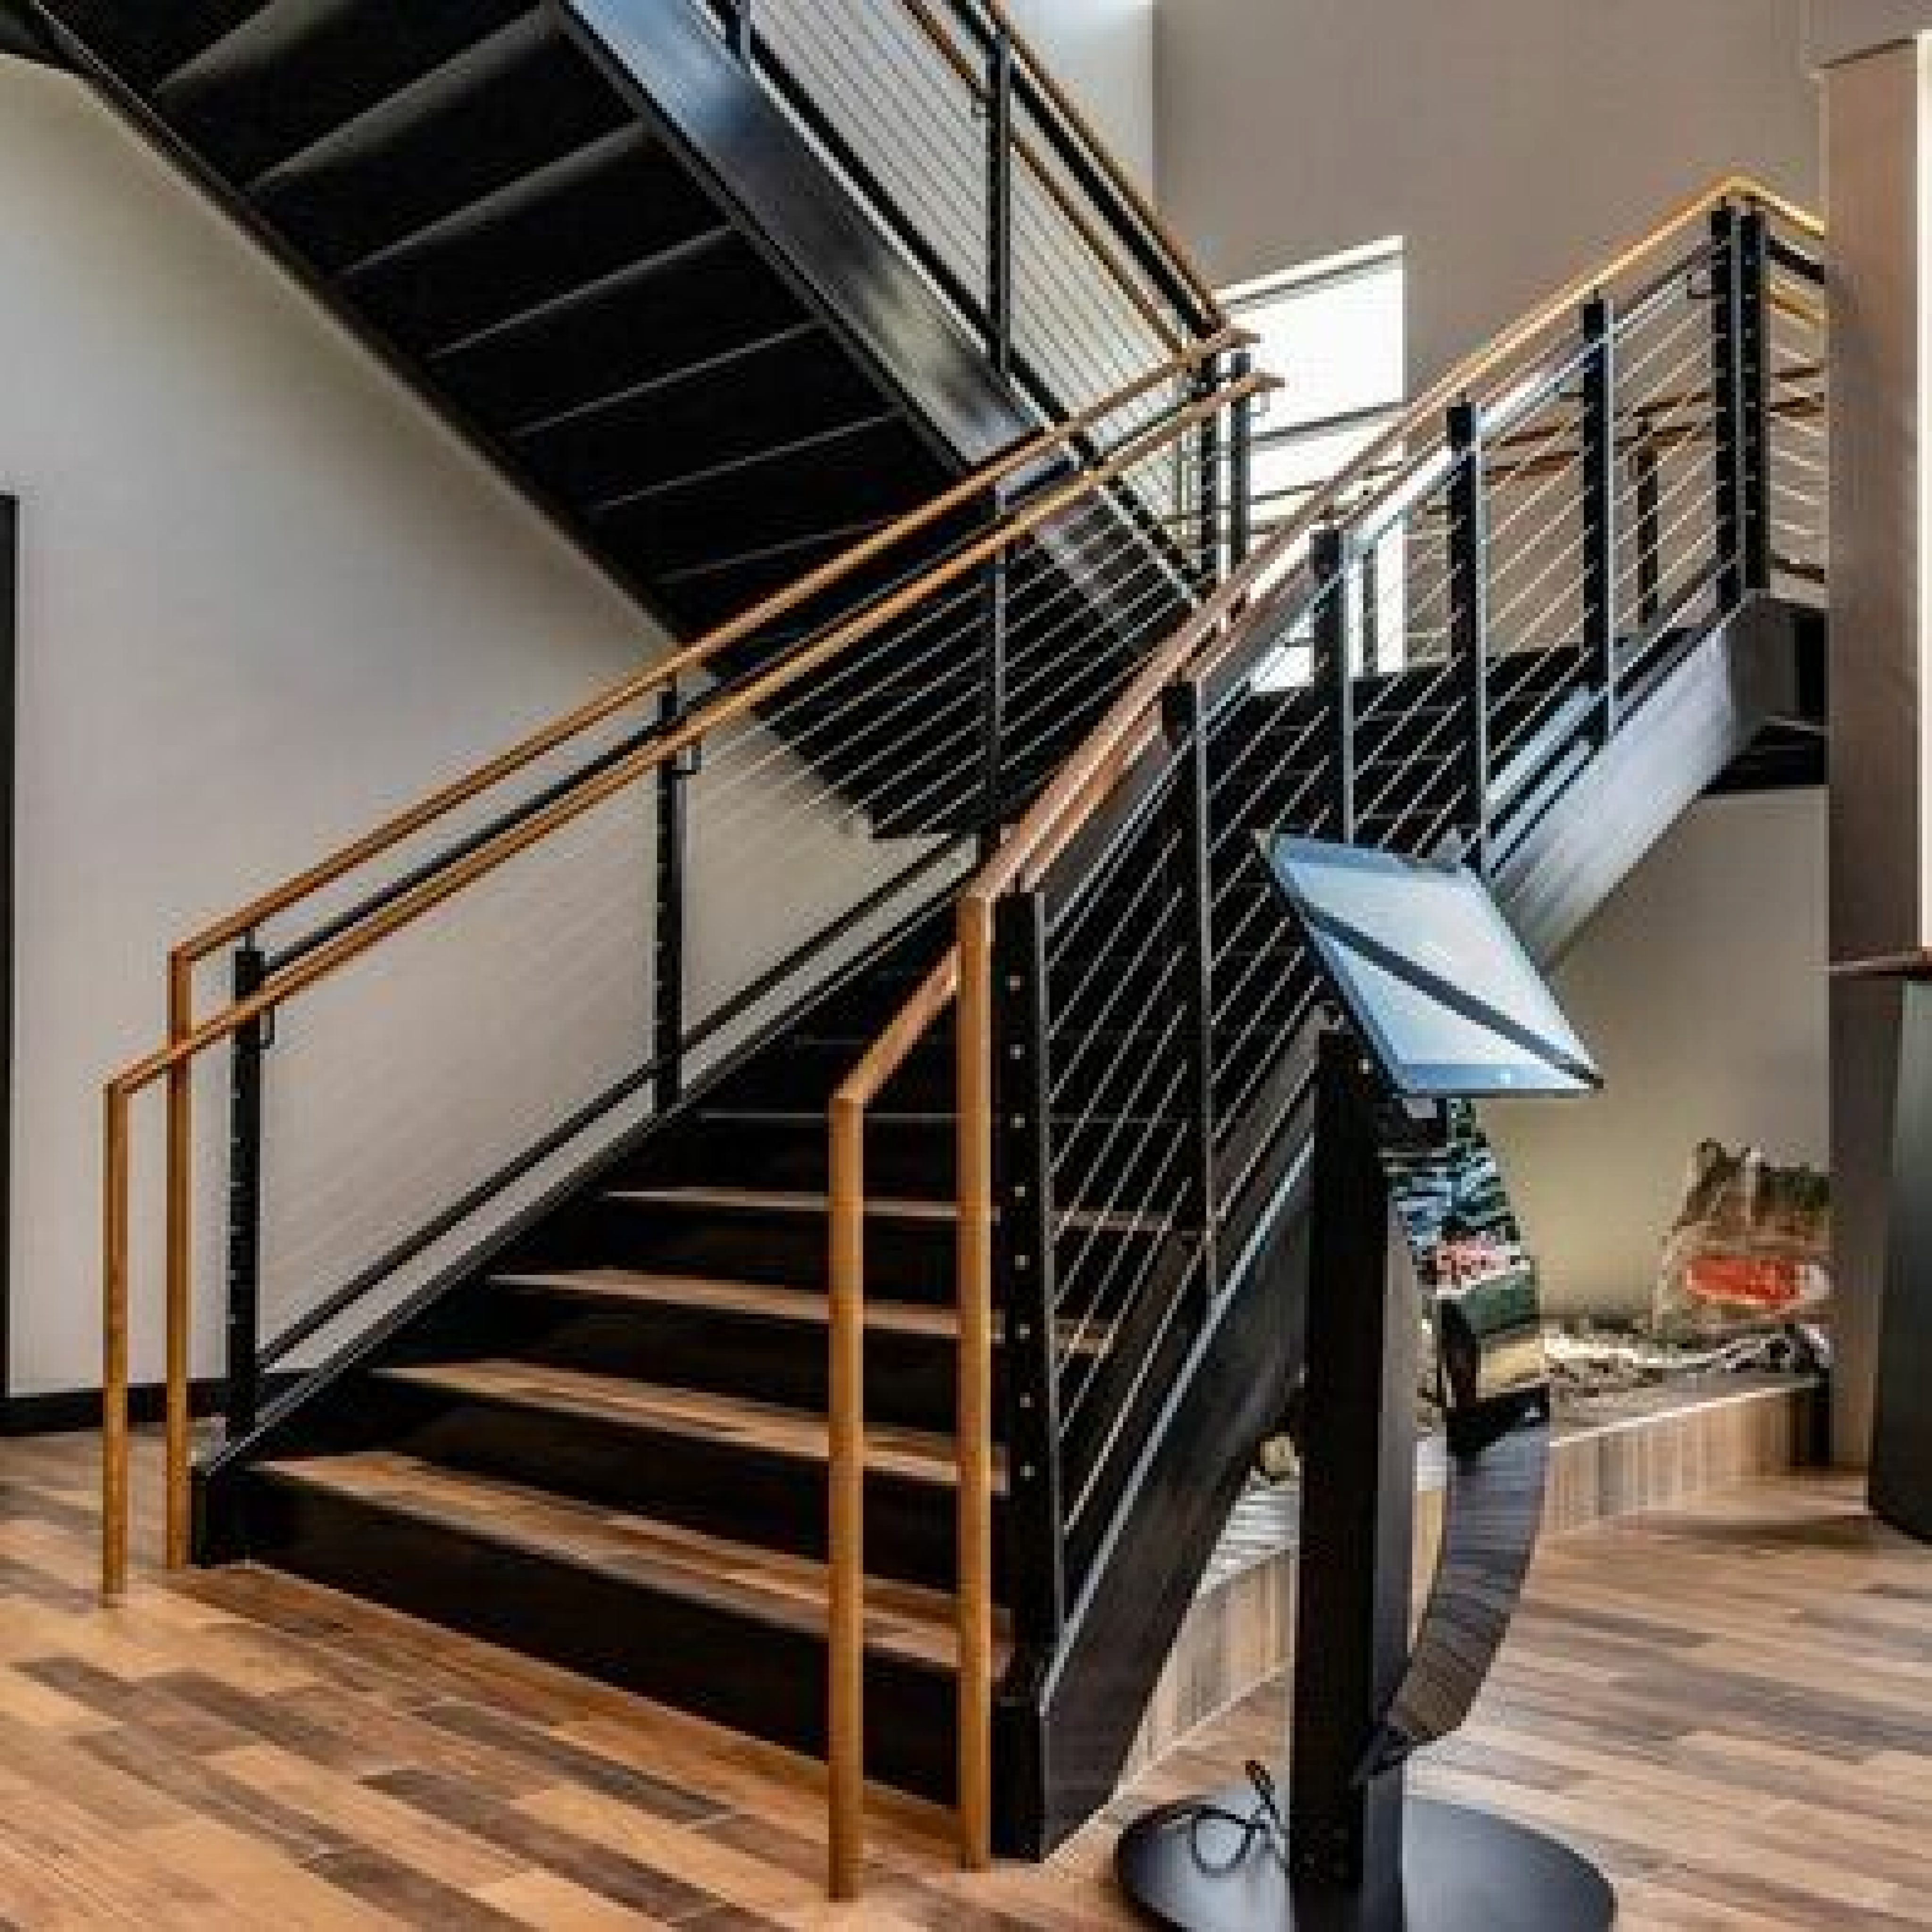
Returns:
(910, 1260)
(767, 1681)
(724, 1489)
(910, 1380)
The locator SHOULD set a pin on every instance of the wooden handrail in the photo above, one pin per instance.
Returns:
(188, 1039)
(1078, 788)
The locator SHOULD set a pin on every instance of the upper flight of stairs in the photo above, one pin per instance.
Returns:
(587, 236)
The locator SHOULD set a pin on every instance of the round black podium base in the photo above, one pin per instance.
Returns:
(1462, 1871)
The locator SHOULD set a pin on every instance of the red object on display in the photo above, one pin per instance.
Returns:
(1771, 1283)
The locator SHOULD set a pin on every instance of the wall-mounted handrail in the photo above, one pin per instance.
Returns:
(1249, 599)
(470, 861)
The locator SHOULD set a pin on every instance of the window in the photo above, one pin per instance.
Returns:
(1333, 330)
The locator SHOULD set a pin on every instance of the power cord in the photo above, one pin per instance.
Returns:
(1264, 1822)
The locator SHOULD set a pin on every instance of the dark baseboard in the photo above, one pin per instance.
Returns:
(65, 1412)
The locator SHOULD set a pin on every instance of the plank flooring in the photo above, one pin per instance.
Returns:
(1729, 1703)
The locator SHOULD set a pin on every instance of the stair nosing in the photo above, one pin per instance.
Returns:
(885, 1314)
(493, 52)
(932, 1462)
(842, 534)
(736, 466)
(532, 187)
(705, 365)
(629, 274)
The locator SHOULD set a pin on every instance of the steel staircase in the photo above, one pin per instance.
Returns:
(837, 1282)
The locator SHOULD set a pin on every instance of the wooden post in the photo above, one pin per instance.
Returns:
(114, 1347)
(180, 1446)
(976, 1382)
(845, 1636)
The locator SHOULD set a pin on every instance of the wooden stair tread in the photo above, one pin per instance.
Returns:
(902, 1620)
(779, 1201)
(703, 1292)
(810, 1201)
(736, 1422)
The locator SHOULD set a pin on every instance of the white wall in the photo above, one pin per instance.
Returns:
(1509, 140)
(265, 598)
(1700, 986)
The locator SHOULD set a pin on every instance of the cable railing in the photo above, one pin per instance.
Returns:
(941, 116)
(630, 897)
(1419, 655)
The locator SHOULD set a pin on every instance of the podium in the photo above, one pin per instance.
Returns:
(1899, 1483)
(1439, 1002)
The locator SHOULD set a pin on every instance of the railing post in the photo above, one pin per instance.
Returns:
(1207, 528)
(667, 941)
(996, 617)
(1469, 617)
(1753, 404)
(1727, 407)
(245, 1199)
(738, 29)
(1649, 525)
(999, 199)
(1600, 509)
(1368, 570)
(1023, 1183)
(1184, 720)
(1241, 466)
(1328, 562)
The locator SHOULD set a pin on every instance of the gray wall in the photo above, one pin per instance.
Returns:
(1104, 51)
(1509, 140)
(1700, 986)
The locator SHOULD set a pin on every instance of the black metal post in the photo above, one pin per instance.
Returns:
(1649, 525)
(1184, 720)
(250, 968)
(1599, 508)
(1753, 405)
(667, 947)
(1207, 525)
(1351, 1616)
(1241, 466)
(999, 200)
(1023, 1183)
(1469, 618)
(1328, 560)
(1369, 569)
(1727, 407)
(995, 623)
(738, 29)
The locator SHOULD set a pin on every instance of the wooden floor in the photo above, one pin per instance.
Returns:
(1730, 1705)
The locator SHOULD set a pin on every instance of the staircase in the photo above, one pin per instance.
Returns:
(982, 657)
